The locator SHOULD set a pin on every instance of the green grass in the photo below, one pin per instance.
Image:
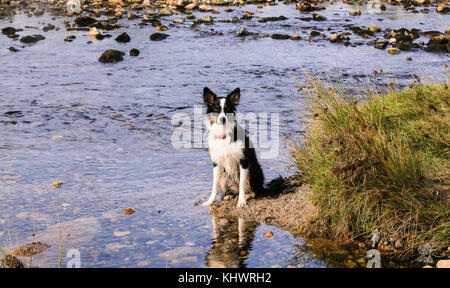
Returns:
(382, 163)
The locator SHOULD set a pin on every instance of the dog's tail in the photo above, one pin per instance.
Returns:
(275, 187)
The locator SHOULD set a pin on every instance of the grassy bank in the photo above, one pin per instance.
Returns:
(379, 163)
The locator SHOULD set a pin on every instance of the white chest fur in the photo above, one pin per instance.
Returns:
(226, 154)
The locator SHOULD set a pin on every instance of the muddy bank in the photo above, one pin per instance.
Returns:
(291, 211)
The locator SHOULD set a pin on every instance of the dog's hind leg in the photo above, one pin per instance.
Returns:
(215, 189)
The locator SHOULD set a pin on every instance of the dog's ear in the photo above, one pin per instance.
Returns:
(235, 96)
(208, 96)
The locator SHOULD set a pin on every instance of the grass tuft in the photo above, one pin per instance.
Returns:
(378, 161)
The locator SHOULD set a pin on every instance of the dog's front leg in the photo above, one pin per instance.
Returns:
(243, 173)
(215, 188)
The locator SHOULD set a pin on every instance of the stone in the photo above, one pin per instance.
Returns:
(280, 36)
(191, 6)
(111, 55)
(158, 36)
(30, 249)
(443, 264)
(9, 31)
(318, 17)
(438, 44)
(394, 50)
(165, 11)
(84, 21)
(242, 32)
(123, 38)
(442, 8)
(295, 37)
(32, 38)
(205, 8)
(373, 28)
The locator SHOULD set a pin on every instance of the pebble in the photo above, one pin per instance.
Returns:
(121, 233)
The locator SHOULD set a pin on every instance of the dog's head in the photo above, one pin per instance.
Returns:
(221, 110)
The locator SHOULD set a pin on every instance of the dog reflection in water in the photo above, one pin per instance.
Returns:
(232, 241)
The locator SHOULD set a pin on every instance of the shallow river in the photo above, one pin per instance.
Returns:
(104, 131)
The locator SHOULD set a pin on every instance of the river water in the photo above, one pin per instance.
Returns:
(104, 131)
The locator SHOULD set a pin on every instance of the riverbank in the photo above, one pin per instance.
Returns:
(374, 174)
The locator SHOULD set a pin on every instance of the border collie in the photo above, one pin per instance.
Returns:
(236, 169)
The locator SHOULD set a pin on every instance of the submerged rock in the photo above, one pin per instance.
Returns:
(438, 44)
(30, 249)
(242, 32)
(280, 36)
(134, 52)
(111, 55)
(84, 21)
(158, 36)
(9, 31)
(123, 38)
(32, 38)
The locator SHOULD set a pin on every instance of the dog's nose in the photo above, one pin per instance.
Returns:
(222, 120)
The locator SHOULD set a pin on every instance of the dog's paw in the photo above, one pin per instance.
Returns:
(241, 203)
(207, 203)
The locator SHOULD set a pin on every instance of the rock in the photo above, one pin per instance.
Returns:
(268, 234)
(134, 52)
(307, 7)
(280, 36)
(295, 37)
(178, 20)
(318, 17)
(442, 8)
(355, 12)
(111, 55)
(9, 31)
(427, 266)
(48, 27)
(421, 2)
(30, 249)
(128, 211)
(373, 28)
(32, 38)
(57, 184)
(10, 261)
(123, 38)
(208, 19)
(394, 50)
(447, 32)
(443, 264)
(242, 32)
(12, 49)
(205, 8)
(93, 32)
(381, 44)
(191, 6)
(438, 44)
(165, 11)
(84, 21)
(336, 38)
(158, 36)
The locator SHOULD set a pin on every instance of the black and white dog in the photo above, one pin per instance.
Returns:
(236, 168)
